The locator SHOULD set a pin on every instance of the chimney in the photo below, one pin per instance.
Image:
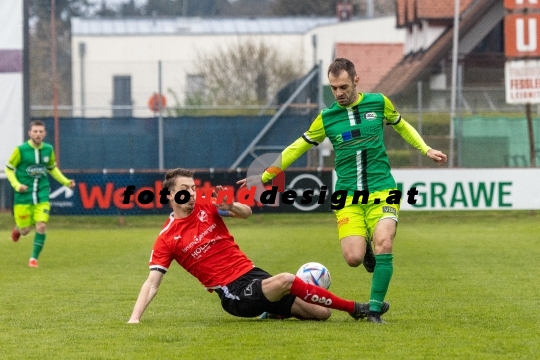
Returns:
(344, 10)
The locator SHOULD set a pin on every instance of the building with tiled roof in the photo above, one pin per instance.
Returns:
(372, 61)
(428, 53)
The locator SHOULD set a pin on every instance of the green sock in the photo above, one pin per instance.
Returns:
(381, 280)
(39, 240)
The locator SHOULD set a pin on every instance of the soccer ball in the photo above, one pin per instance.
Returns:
(316, 274)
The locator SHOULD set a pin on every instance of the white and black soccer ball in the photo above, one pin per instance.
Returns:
(316, 274)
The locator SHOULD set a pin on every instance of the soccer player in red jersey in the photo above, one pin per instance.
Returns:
(197, 238)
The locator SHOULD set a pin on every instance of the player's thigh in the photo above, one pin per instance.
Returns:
(245, 298)
(23, 215)
(41, 212)
(351, 220)
(377, 212)
(304, 310)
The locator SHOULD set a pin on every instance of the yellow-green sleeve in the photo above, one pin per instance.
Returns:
(58, 176)
(13, 162)
(403, 128)
(55, 171)
(410, 135)
(12, 178)
(52, 161)
(313, 136)
(390, 113)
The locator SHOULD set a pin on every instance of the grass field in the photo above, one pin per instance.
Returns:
(466, 286)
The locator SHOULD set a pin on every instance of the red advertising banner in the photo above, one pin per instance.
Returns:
(521, 4)
(521, 35)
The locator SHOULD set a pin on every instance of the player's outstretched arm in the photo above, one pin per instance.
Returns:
(148, 291)
(235, 209)
(240, 210)
(438, 156)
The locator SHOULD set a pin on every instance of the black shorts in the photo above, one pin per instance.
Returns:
(244, 297)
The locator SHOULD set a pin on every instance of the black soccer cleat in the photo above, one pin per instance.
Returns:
(361, 310)
(369, 258)
(375, 317)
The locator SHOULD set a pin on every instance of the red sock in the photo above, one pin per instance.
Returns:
(317, 295)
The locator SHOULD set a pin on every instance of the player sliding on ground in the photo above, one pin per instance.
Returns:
(197, 238)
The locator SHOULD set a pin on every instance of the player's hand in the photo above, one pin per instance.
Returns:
(438, 156)
(253, 180)
(223, 205)
(22, 188)
(71, 184)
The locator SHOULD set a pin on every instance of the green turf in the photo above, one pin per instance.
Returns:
(466, 286)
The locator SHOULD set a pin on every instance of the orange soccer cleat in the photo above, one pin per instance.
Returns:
(33, 263)
(15, 234)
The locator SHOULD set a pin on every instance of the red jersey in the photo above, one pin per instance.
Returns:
(203, 246)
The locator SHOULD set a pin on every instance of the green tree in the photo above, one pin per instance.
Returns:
(41, 81)
(303, 8)
(328, 7)
(247, 73)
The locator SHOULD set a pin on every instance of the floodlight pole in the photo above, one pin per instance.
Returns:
(160, 122)
(454, 83)
(55, 82)
(420, 110)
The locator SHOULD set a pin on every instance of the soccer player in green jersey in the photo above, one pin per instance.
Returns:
(27, 170)
(354, 125)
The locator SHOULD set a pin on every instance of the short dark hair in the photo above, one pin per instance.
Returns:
(171, 175)
(341, 64)
(36, 123)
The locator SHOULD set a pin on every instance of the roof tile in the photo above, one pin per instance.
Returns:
(372, 61)
(409, 69)
(411, 11)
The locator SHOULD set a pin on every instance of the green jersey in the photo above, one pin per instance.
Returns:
(31, 165)
(356, 132)
(357, 135)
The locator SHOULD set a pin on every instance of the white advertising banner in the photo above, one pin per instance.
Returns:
(11, 78)
(469, 189)
(11, 117)
(522, 81)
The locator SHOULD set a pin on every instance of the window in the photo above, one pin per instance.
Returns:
(122, 96)
(195, 89)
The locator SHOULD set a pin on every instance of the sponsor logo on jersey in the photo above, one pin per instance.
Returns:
(202, 215)
(36, 171)
(370, 115)
(197, 239)
(201, 250)
(388, 209)
(178, 237)
(342, 222)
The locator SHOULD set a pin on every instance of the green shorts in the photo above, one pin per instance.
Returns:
(27, 215)
(361, 219)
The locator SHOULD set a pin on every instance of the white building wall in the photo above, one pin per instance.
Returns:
(138, 55)
(421, 38)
